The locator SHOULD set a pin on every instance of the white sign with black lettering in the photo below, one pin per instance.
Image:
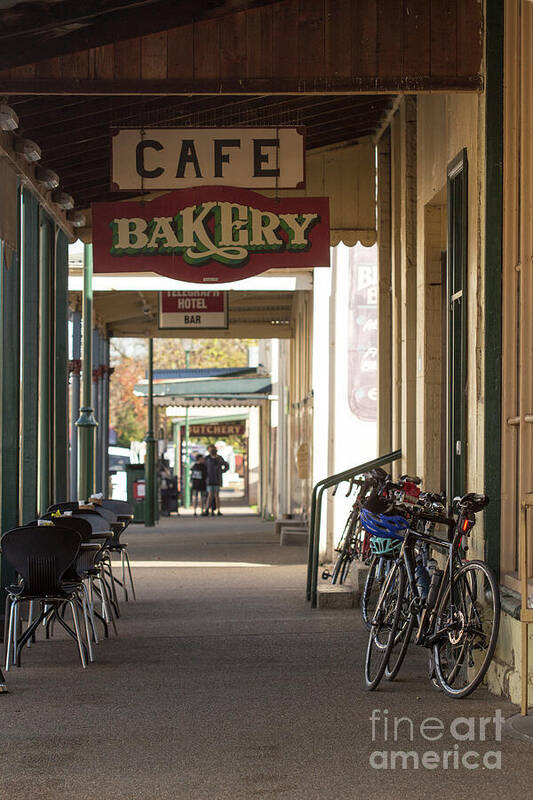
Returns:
(193, 310)
(179, 158)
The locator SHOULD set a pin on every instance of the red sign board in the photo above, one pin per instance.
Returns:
(202, 309)
(211, 234)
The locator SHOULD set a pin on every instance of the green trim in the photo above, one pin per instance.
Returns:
(150, 496)
(61, 371)
(46, 364)
(494, 20)
(86, 422)
(9, 398)
(456, 293)
(30, 356)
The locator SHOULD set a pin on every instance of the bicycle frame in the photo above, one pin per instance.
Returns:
(426, 634)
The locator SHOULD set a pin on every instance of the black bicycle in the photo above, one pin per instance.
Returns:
(456, 613)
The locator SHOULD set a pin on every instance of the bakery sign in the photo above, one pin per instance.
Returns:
(210, 235)
(193, 309)
(177, 158)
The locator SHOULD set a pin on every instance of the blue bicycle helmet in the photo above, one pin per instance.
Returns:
(387, 527)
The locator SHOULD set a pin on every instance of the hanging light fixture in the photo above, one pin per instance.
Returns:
(9, 120)
(63, 200)
(76, 218)
(28, 150)
(48, 178)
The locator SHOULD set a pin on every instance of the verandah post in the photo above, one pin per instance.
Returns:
(86, 423)
(149, 459)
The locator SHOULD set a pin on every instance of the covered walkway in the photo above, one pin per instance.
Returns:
(224, 684)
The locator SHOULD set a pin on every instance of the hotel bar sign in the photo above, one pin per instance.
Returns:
(210, 235)
(174, 158)
(193, 310)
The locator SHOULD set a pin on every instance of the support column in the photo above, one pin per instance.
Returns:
(86, 422)
(75, 380)
(384, 296)
(29, 357)
(60, 392)
(97, 409)
(105, 417)
(45, 364)
(9, 400)
(409, 308)
(149, 459)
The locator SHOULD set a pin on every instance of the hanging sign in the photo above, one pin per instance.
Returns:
(210, 235)
(176, 158)
(217, 429)
(193, 309)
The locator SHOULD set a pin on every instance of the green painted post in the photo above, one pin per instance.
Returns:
(60, 324)
(187, 493)
(149, 459)
(494, 22)
(9, 400)
(29, 254)
(45, 362)
(86, 422)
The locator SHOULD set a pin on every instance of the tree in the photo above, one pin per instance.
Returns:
(170, 354)
(127, 413)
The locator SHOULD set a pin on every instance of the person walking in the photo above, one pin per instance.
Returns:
(198, 484)
(216, 466)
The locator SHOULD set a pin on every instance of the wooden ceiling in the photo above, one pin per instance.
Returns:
(73, 70)
(250, 314)
(31, 31)
(74, 132)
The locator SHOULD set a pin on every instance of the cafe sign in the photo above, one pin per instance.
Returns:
(176, 158)
(210, 235)
(193, 310)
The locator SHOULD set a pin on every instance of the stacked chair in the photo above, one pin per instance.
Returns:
(63, 563)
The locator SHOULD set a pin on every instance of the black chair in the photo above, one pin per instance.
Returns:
(115, 512)
(118, 515)
(100, 527)
(123, 510)
(42, 557)
(124, 513)
(89, 566)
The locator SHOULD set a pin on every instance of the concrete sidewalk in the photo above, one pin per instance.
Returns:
(223, 683)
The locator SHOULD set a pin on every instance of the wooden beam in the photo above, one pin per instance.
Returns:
(245, 86)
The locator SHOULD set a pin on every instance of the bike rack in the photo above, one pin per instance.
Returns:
(526, 613)
(316, 513)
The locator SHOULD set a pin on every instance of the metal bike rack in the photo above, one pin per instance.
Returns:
(526, 613)
(316, 513)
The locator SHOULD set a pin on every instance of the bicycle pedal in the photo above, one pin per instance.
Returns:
(326, 574)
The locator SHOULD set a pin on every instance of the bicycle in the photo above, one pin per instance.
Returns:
(458, 619)
(384, 550)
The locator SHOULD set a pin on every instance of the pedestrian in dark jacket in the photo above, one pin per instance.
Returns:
(216, 466)
(198, 484)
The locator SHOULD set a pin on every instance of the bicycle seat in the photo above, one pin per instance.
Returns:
(409, 479)
(473, 502)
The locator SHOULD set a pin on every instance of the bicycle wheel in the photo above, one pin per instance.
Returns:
(342, 565)
(406, 623)
(469, 618)
(384, 625)
(379, 567)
